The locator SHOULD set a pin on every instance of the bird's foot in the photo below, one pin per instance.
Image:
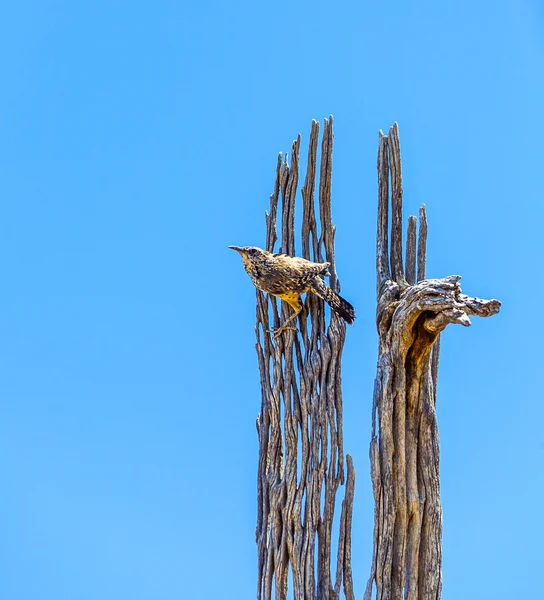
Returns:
(280, 330)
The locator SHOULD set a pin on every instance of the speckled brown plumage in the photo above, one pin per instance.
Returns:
(288, 277)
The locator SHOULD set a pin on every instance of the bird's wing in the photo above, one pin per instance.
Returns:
(295, 262)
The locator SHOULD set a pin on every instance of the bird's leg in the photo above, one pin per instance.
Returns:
(296, 305)
(284, 327)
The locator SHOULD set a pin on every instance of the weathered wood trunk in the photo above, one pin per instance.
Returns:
(404, 450)
(301, 453)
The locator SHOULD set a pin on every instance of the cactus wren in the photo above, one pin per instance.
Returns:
(288, 277)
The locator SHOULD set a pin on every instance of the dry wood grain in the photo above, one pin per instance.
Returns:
(301, 454)
(404, 448)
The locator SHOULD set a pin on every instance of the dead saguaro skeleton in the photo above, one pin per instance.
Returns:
(404, 450)
(301, 454)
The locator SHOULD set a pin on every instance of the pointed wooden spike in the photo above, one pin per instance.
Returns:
(397, 271)
(382, 237)
(422, 244)
(411, 251)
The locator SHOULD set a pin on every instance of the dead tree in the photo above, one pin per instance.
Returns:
(404, 450)
(301, 454)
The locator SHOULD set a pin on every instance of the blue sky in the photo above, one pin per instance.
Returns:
(138, 142)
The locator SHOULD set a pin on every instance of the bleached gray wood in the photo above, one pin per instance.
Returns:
(422, 244)
(301, 454)
(411, 252)
(397, 271)
(404, 448)
(382, 237)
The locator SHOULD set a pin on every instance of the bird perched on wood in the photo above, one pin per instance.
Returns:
(288, 277)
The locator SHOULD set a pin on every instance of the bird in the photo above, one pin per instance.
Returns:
(288, 277)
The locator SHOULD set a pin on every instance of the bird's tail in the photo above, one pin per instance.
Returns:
(340, 306)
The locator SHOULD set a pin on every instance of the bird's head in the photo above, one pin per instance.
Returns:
(251, 255)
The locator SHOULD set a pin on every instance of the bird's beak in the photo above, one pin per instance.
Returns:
(237, 248)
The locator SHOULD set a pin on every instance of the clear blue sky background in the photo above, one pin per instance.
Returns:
(137, 142)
